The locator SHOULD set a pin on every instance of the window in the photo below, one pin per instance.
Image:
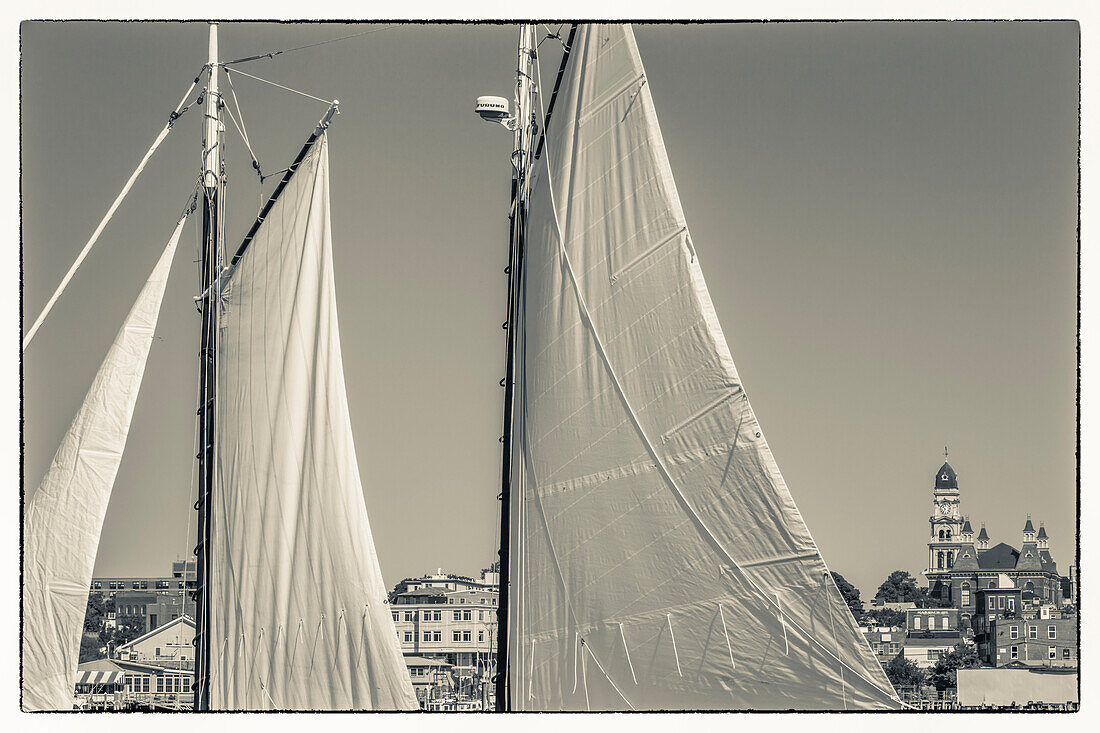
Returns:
(933, 655)
(1014, 632)
(160, 684)
(1015, 652)
(408, 637)
(1052, 652)
(409, 615)
(480, 635)
(427, 636)
(158, 651)
(396, 615)
(1000, 602)
(1052, 632)
(943, 623)
(916, 622)
(992, 584)
(965, 594)
(456, 636)
(1065, 653)
(1033, 632)
(1011, 604)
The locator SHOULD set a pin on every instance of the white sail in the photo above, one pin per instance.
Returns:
(64, 517)
(298, 619)
(659, 560)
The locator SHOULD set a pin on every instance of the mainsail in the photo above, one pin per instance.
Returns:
(659, 560)
(64, 517)
(298, 619)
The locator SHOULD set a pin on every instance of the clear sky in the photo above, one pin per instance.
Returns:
(885, 213)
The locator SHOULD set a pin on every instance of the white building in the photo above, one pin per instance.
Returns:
(170, 643)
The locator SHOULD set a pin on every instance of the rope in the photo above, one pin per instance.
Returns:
(623, 634)
(280, 86)
(727, 634)
(336, 651)
(605, 674)
(273, 54)
(107, 217)
(584, 674)
(673, 636)
(783, 623)
(241, 129)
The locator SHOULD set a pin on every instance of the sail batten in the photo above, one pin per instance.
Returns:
(64, 517)
(291, 539)
(649, 507)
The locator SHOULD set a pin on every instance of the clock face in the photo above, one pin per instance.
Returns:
(945, 508)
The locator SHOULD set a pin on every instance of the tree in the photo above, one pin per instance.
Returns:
(903, 673)
(961, 657)
(97, 611)
(90, 646)
(850, 594)
(900, 587)
(887, 616)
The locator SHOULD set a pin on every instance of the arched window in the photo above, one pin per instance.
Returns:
(965, 594)
(948, 533)
(939, 561)
(1029, 586)
(992, 584)
(941, 534)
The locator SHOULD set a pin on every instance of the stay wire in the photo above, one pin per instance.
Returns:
(273, 54)
(280, 86)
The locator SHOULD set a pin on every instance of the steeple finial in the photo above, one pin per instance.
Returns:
(945, 453)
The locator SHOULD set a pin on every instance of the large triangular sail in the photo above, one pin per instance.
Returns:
(64, 517)
(298, 619)
(659, 560)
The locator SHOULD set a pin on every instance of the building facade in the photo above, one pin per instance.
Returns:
(960, 564)
(145, 603)
(1014, 627)
(455, 626)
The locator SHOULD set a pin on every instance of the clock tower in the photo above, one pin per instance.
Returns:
(946, 522)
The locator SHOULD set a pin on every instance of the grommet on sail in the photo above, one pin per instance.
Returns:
(645, 503)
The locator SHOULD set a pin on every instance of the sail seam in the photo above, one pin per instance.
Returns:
(670, 238)
(600, 104)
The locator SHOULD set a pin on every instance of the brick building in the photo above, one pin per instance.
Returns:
(960, 564)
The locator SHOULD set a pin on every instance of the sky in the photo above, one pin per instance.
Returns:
(885, 214)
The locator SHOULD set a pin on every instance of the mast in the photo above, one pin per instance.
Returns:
(211, 241)
(521, 154)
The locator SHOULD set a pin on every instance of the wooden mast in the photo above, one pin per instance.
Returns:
(521, 155)
(212, 180)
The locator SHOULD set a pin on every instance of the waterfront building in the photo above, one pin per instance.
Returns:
(455, 626)
(145, 603)
(960, 564)
(170, 643)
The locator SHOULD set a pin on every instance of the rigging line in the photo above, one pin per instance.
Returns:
(280, 86)
(631, 664)
(273, 54)
(244, 135)
(607, 676)
(729, 646)
(584, 675)
(779, 612)
(107, 217)
(650, 447)
(672, 635)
